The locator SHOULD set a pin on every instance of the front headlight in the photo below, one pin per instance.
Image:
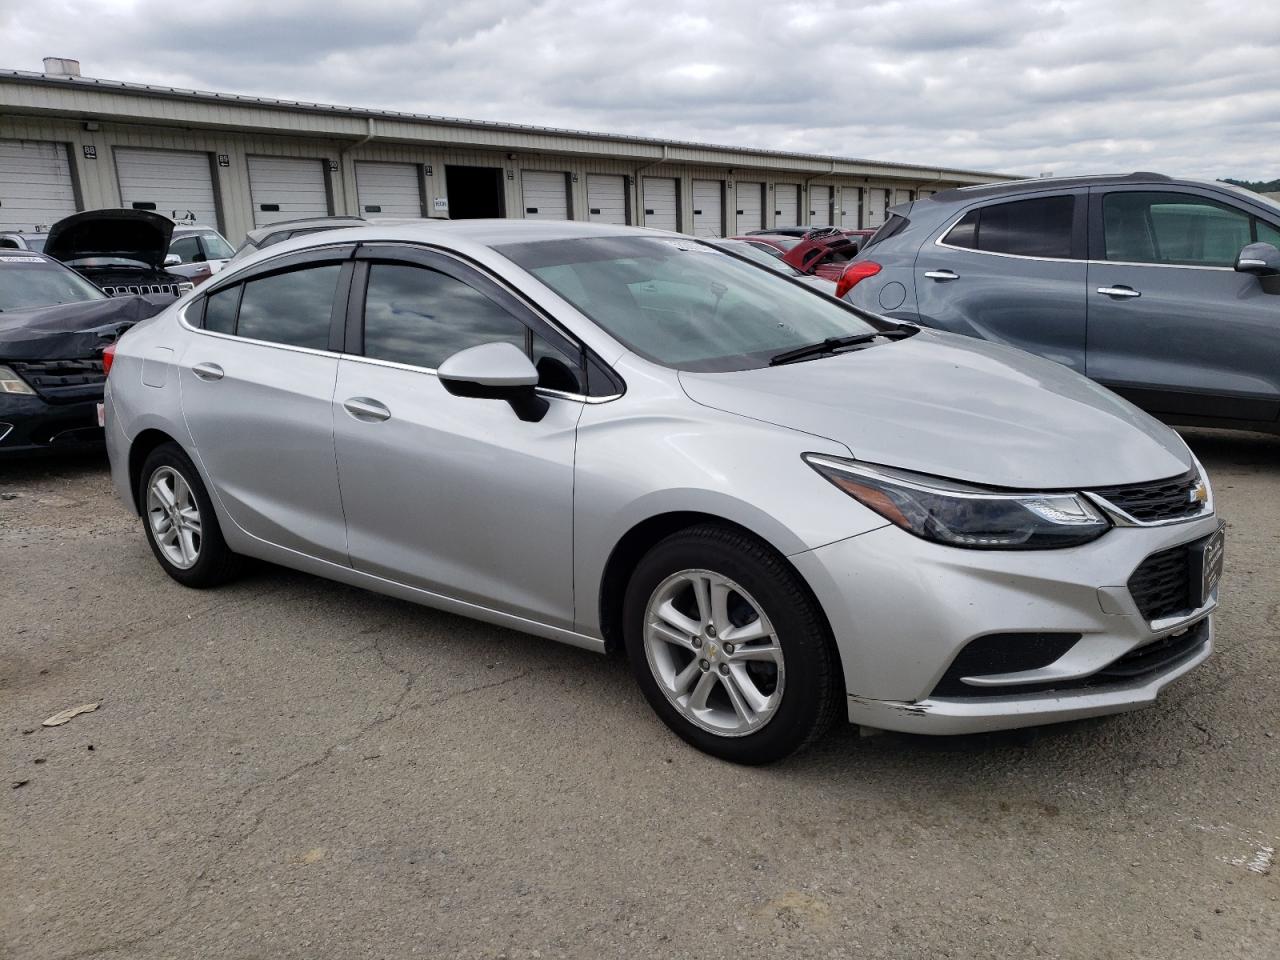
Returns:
(10, 382)
(961, 515)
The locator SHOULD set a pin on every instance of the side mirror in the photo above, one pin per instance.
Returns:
(1260, 259)
(172, 260)
(495, 371)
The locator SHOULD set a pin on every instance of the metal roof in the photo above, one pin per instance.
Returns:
(81, 83)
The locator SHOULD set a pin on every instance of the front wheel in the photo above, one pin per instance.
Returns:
(729, 647)
(179, 521)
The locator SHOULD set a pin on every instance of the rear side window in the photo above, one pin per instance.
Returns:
(1041, 227)
(894, 225)
(290, 308)
(220, 310)
(1175, 228)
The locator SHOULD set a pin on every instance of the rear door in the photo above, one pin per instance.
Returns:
(546, 194)
(750, 200)
(606, 198)
(1012, 272)
(454, 495)
(1172, 325)
(257, 388)
(708, 208)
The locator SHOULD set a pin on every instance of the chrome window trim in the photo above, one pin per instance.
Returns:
(236, 338)
(1122, 518)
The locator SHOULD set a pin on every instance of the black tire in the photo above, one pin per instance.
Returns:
(813, 686)
(215, 563)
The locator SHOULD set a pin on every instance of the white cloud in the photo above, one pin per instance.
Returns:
(1071, 86)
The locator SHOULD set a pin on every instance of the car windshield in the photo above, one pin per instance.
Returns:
(27, 282)
(684, 304)
(754, 253)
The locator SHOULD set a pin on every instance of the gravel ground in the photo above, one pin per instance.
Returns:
(291, 768)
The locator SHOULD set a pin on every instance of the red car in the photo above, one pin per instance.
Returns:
(820, 251)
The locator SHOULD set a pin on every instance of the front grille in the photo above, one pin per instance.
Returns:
(63, 381)
(1159, 500)
(1161, 586)
(138, 289)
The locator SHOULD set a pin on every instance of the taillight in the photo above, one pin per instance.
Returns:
(854, 274)
(108, 355)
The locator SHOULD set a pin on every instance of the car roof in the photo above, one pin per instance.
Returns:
(1012, 187)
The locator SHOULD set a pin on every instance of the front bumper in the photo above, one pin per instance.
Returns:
(902, 609)
(29, 424)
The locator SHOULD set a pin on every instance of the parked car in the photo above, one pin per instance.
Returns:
(1167, 291)
(54, 325)
(782, 508)
(820, 251)
(274, 233)
(121, 251)
(752, 252)
(23, 241)
(197, 252)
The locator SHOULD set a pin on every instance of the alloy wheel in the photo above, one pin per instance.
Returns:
(174, 517)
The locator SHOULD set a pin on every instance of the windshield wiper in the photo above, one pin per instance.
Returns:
(832, 344)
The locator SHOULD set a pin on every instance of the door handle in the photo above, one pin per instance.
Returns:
(367, 410)
(208, 371)
(942, 275)
(1120, 291)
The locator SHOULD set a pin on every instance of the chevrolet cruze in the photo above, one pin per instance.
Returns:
(781, 507)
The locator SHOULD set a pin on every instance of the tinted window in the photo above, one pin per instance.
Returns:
(963, 234)
(291, 308)
(1028, 228)
(895, 224)
(188, 248)
(220, 310)
(1268, 234)
(684, 304)
(1150, 227)
(421, 317)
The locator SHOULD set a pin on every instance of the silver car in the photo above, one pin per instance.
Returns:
(781, 508)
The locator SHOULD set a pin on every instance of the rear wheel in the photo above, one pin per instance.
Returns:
(729, 647)
(179, 521)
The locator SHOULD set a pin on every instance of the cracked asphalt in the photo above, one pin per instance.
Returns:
(291, 768)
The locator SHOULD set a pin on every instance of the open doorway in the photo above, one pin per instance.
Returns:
(474, 192)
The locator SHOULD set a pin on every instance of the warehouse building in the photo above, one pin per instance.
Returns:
(71, 143)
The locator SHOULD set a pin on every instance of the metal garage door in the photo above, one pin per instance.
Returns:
(606, 198)
(750, 206)
(388, 189)
(820, 206)
(171, 182)
(786, 205)
(35, 184)
(546, 195)
(903, 196)
(286, 188)
(851, 207)
(660, 203)
(877, 201)
(708, 208)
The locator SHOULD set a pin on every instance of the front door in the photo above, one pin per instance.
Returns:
(454, 495)
(1172, 326)
(257, 389)
(1012, 272)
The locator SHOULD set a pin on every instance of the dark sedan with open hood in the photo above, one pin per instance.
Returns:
(122, 251)
(54, 325)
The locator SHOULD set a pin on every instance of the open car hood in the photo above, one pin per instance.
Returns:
(133, 234)
(959, 408)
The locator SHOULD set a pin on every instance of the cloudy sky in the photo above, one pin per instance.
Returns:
(1069, 86)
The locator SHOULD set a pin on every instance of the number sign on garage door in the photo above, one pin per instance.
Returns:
(287, 188)
(660, 203)
(851, 207)
(174, 183)
(708, 208)
(35, 184)
(819, 206)
(786, 205)
(606, 198)
(546, 195)
(388, 189)
(750, 199)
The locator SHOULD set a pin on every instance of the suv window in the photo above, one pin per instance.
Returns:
(421, 317)
(1175, 228)
(188, 248)
(290, 308)
(1040, 227)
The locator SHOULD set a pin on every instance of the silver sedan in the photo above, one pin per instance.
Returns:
(781, 508)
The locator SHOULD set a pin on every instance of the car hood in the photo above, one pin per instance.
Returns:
(71, 331)
(136, 234)
(956, 407)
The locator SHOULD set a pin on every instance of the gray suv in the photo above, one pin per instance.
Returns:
(1167, 291)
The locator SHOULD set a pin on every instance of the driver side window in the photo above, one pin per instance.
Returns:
(1173, 228)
